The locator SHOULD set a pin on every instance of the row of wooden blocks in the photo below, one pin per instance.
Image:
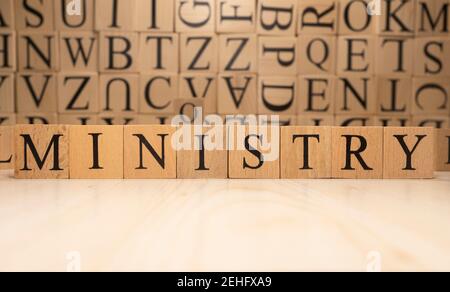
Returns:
(131, 152)
(132, 52)
(286, 17)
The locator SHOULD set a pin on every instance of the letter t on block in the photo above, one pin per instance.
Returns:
(42, 152)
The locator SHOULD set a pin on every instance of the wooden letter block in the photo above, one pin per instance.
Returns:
(237, 53)
(116, 15)
(397, 17)
(314, 120)
(159, 53)
(354, 19)
(149, 153)
(408, 153)
(154, 119)
(237, 93)
(38, 51)
(195, 15)
(188, 109)
(356, 95)
(96, 152)
(74, 119)
(394, 56)
(392, 121)
(431, 96)
(119, 52)
(356, 55)
(305, 152)
(155, 15)
(394, 95)
(316, 94)
(34, 15)
(7, 119)
(357, 153)
(443, 150)
(199, 53)
(79, 51)
(277, 54)
(431, 57)
(431, 121)
(277, 95)
(318, 17)
(277, 17)
(37, 92)
(6, 147)
(200, 86)
(74, 15)
(42, 152)
(7, 15)
(254, 152)
(280, 121)
(236, 16)
(78, 93)
(432, 17)
(7, 51)
(7, 93)
(119, 93)
(157, 93)
(207, 156)
(37, 118)
(316, 55)
(115, 119)
(354, 121)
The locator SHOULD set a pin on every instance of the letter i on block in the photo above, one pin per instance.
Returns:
(443, 150)
(6, 147)
(408, 153)
(149, 153)
(42, 152)
(96, 152)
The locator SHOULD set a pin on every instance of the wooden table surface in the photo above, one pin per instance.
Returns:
(224, 225)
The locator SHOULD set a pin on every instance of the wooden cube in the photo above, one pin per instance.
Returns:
(394, 56)
(188, 110)
(277, 54)
(154, 119)
(357, 152)
(431, 57)
(38, 51)
(7, 93)
(316, 94)
(318, 17)
(354, 121)
(79, 51)
(431, 121)
(155, 15)
(119, 93)
(78, 93)
(117, 119)
(237, 93)
(432, 17)
(356, 95)
(149, 153)
(37, 92)
(397, 18)
(6, 147)
(7, 119)
(159, 52)
(116, 15)
(74, 15)
(240, 120)
(202, 86)
(237, 53)
(37, 118)
(408, 153)
(431, 96)
(157, 93)
(280, 121)
(96, 152)
(354, 19)
(199, 53)
(42, 152)
(254, 152)
(119, 52)
(277, 17)
(394, 95)
(77, 119)
(314, 120)
(305, 152)
(316, 55)
(7, 15)
(392, 121)
(7, 51)
(277, 95)
(195, 15)
(443, 150)
(204, 156)
(236, 16)
(356, 55)
(34, 15)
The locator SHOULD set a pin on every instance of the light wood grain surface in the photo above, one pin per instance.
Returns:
(224, 225)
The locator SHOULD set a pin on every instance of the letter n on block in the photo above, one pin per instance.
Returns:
(149, 153)
(408, 153)
(357, 153)
(42, 152)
